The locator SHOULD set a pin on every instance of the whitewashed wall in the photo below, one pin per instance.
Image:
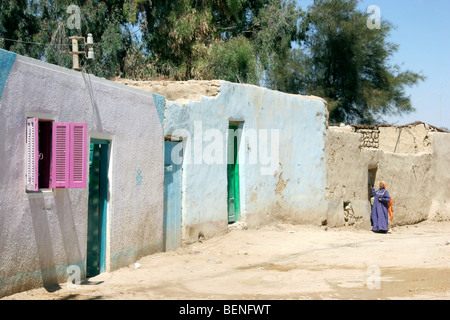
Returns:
(294, 191)
(42, 233)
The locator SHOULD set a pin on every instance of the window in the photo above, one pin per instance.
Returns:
(56, 155)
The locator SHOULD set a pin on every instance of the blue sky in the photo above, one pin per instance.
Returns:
(422, 31)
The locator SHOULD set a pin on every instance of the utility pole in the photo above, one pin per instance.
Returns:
(75, 53)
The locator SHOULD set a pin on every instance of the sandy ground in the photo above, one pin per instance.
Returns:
(283, 262)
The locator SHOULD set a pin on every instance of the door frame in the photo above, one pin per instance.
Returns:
(172, 170)
(105, 187)
(234, 125)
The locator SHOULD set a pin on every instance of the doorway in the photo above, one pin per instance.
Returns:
(234, 213)
(97, 210)
(371, 178)
(173, 155)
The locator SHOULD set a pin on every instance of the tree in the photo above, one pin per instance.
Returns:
(232, 60)
(348, 64)
(18, 21)
(234, 40)
(39, 29)
(326, 51)
(188, 38)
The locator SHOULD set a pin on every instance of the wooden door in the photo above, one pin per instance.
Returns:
(172, 197)
(97, 210)
(233, 176)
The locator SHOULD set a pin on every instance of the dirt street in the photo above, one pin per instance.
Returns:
(284, 262)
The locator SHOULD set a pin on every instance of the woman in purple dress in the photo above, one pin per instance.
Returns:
(379, 216)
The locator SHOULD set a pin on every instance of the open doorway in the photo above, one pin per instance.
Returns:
(371, 178)
(234, 137)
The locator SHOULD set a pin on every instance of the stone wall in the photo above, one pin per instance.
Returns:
(369, 138)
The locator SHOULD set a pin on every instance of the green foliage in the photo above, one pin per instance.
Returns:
(187, 34)
(275, 29)
(18, 21)
(42, 32)
(112, 47)
(180, 39)
(288, 71)
(233, 60)
(326, 51)
(348, 64)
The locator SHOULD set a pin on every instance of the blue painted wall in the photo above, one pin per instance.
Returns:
(293, 190)
(6, 62)
(160, 102)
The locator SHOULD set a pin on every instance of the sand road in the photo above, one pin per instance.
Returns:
(283, 262)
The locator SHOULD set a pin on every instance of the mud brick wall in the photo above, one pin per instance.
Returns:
(369, 138)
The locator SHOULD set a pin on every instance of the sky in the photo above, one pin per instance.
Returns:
(422, 31)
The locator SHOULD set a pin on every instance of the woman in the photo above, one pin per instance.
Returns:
(379, 216)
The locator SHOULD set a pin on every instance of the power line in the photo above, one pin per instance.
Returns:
(36, 43)
(41, 43)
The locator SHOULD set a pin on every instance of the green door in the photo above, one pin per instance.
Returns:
(98, 197)
(233, 175)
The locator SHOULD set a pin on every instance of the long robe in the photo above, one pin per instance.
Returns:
(379, 217)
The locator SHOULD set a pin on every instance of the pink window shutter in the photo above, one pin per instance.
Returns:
(78, 155)
(32, 154)
(60, 155)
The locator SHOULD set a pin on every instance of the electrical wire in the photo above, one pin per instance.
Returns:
(32, 42)
(44, 44)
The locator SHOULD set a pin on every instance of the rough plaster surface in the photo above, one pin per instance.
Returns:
(346, 178)
(42, 233)
(178, 91)
(418, 181)
(410, 140)
(440, 186)
(293, 192)
(6, 62)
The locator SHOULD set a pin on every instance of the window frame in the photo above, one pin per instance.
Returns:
(68, 153)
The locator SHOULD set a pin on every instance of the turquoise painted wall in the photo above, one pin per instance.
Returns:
(293, 191)
(6, 62)
(160, 103)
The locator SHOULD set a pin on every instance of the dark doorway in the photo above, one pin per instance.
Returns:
(372, 176)
(45, 153)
